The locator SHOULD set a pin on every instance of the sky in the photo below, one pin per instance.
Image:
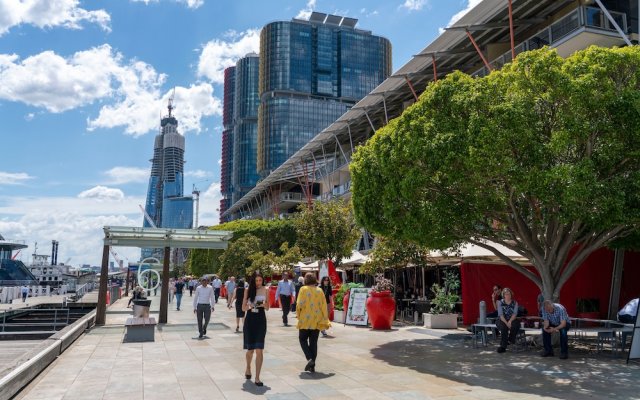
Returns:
(83, 85)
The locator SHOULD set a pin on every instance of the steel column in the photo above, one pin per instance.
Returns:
(415, 96)
(164, 291)
(384, 104)
(435, 68)
(484, 60)
(513, 45)
(101, 309)
(614, 23)
(369, 119)
(341, 151)
(616, 283)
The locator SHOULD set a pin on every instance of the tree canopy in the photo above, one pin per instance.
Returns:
(327, 230)
(394, 253)
(541, 157)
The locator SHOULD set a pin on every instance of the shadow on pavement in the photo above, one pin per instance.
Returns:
(250, 387)
(315, 376)
(582, 375)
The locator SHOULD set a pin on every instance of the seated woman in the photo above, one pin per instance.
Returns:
(508, 323)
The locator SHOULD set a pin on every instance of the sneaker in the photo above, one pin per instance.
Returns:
(501, 349)
(564, 356)
(545, 354)
(204, 332)
(200, 336)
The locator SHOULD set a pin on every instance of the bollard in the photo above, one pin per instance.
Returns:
(483, 312)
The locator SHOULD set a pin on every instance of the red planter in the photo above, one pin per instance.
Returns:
(272, 297)
(381, 308)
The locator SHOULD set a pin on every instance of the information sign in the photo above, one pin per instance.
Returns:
(357, 309)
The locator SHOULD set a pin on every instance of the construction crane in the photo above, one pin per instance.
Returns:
(16, 255)
(171, 106)
(147, 217)
(115, 257)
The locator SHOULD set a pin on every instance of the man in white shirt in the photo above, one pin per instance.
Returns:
(284, 292)
(629, 312)
(203, 306)
(217, 285)
(230, 285)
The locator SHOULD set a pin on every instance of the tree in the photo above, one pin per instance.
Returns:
(394, 254)
(203, 261)
(237, 258)
(327, 230)
(541, 157)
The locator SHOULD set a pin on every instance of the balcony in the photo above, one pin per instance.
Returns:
(579, 29)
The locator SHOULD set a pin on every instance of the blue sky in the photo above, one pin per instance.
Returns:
(83, 85)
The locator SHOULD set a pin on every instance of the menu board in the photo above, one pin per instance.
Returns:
(357, 309)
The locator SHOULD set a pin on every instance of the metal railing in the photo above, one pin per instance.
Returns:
(581, 17)
(63, 312)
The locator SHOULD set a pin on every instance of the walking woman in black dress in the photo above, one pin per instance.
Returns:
(238, 297)
(255, 303)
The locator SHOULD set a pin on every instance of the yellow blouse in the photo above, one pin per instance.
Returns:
(311, 309)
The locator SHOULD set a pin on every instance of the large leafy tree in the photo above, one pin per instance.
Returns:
(238, 258)
(327, 230)
(542, 157)
(392, 253)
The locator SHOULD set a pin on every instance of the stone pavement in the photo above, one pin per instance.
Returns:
(356, 363)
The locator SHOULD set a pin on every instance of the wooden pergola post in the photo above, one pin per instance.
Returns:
(164, 293)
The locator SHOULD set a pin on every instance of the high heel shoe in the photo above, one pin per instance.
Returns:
(248, 376)
(258, 383)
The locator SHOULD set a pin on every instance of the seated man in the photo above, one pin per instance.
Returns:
(629, 312)
(555, 319)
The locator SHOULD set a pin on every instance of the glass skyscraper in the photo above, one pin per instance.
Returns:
(226, 168)
(245, 134)
(312, 72)
(166, 204)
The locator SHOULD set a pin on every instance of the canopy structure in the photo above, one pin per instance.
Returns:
(127, 236)
(470, 252)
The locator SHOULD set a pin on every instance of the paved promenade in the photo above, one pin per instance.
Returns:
(356, 363)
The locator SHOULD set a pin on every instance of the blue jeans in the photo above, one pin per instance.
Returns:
(178, 300)
(564, 340)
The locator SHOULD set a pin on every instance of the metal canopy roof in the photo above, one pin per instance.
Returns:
(127, 236)
(452, 51)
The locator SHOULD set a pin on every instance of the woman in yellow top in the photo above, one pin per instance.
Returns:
(311, 310)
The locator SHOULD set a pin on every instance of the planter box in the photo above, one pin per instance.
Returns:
(338, 316)
(440, 321)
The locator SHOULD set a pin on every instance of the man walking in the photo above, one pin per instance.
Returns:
(283, 294)
(203, 306)
(217, 285)
(25, 292)
(192, 286)
(231, 286)
(179, 289)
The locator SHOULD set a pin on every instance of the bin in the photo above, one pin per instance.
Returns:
(141, 308)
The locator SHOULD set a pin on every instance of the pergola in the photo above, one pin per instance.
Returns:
(126, 236)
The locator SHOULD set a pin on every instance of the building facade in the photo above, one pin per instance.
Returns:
(245, 133)
(226, 166)
(166, 205)
(311, 73)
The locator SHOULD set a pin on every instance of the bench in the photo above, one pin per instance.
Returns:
(482, 332)
(140, 329)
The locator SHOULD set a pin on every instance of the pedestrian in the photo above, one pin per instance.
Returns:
(203, 306)
(298, 285)
(327, 289)
(311, 310)
(254, 304)
(191, 286)
(25, 292)
(555, 319)
(179, 289)
(217, 285)
(230, 285)
(283, 294)
(238, 296)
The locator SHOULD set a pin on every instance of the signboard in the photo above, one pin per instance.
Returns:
(634, 351)
(357, 309)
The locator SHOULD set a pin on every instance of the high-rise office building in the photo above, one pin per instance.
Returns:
(166, 205)
(312, 72)
(245, 118)
(226, 167)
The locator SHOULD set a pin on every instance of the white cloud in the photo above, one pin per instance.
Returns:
(190, 3)
(48, 14)
(131, 90)
(120, 175)
(220, 161)
(197, 174)
(13, 178)
(414, 5)
(210, 205)
(305, 13)
(219, 54)
(102, 193)
(470, 5)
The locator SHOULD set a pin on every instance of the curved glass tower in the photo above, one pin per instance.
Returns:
(245, 134)
(226, 168)
(312, 72)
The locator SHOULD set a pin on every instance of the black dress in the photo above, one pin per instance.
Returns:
(239, 297)
(255, 327)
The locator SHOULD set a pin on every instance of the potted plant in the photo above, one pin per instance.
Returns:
(342, 300)
(381, 306)
(443, 303)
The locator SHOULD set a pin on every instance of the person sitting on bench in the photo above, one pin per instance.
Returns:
(629, 312)
(508, 323)
(555, 319)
